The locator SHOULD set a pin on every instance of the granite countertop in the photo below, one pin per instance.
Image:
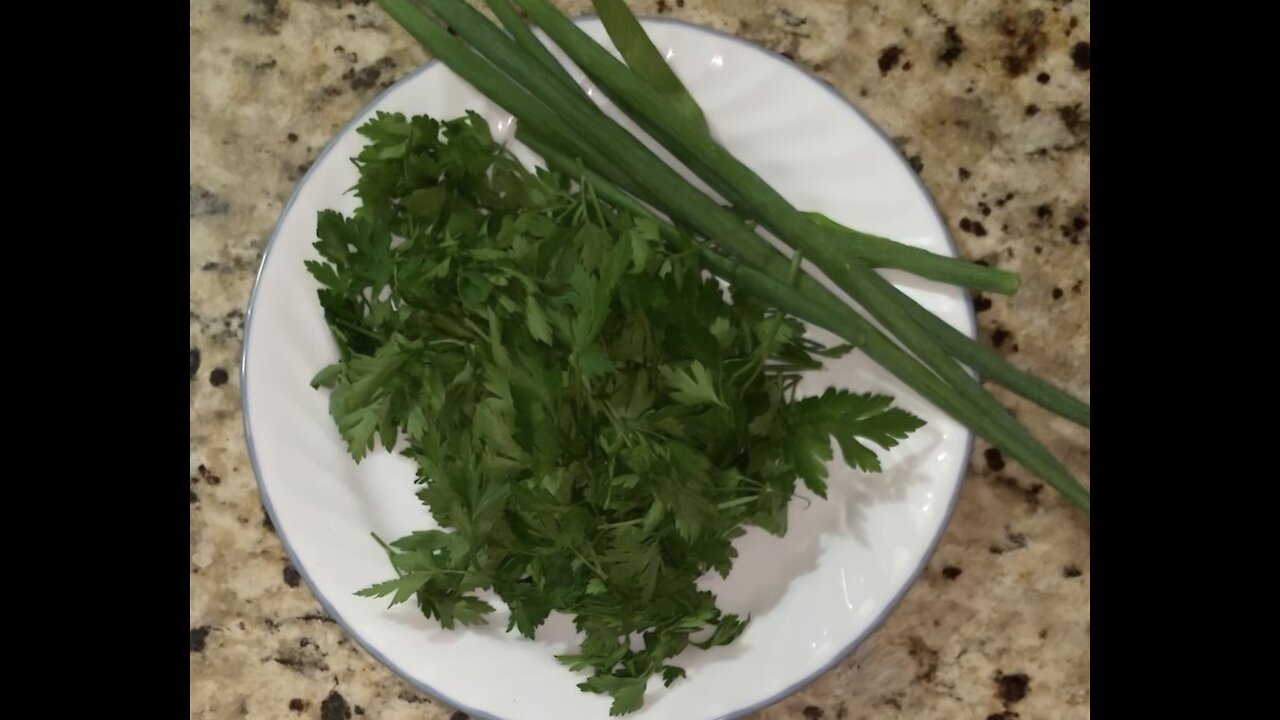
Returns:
(989, 99)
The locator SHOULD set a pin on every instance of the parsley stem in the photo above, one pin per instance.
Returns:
(736, 502)
(594, 568)
(627, 523)
(356, 328)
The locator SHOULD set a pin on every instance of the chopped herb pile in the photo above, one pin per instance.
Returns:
(594, 418)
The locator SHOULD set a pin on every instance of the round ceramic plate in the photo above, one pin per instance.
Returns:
(812, 595)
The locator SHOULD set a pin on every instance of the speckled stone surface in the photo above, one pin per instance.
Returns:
(990, 101)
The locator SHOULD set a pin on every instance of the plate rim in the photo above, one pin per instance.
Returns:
(373, 652)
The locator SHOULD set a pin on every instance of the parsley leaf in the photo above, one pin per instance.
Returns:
(848, 418)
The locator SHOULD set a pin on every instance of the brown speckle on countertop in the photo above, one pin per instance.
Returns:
(995, 459)
(335, 707)
(889, 58)
(953, 46)
(1080, 56)
(198, 637)
(1013, 687)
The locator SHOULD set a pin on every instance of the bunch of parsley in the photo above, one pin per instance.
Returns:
(594, 418)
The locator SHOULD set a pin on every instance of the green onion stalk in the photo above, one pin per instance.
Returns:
(499, 68)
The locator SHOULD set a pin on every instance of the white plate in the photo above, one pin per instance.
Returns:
(812, 596)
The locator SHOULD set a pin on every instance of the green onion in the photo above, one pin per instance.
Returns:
(684, 202)
(882, 252)
(651, 68)
(642, 57)
(525, 38)
(749, 193)
(640, 53)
